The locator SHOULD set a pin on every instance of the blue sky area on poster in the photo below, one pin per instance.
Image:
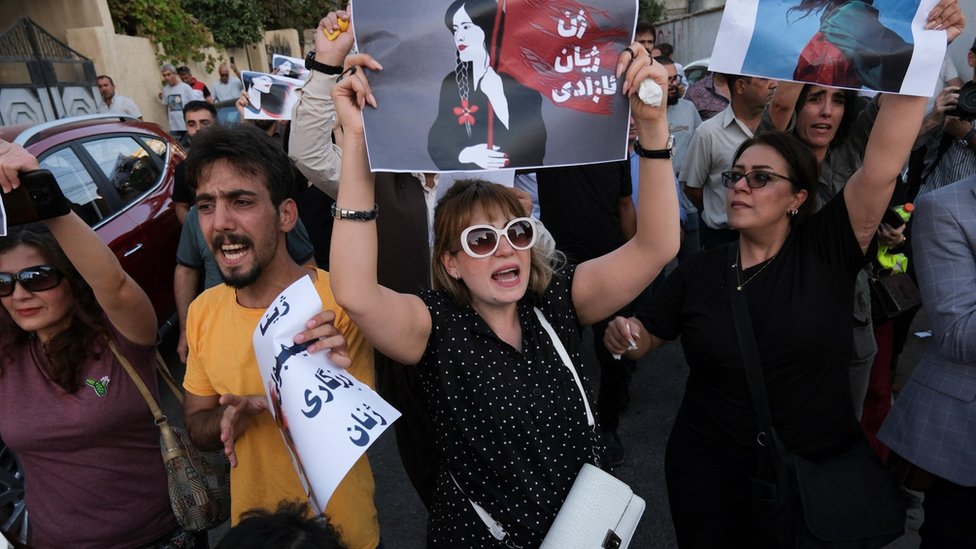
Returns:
(420, 58)
(760, 38)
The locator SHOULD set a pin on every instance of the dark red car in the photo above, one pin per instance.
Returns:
(117, 172)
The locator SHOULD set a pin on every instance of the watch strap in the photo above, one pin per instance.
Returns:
(313, 65)
(662, 154)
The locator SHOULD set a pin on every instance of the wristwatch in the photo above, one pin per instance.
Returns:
(665, 153)
(313, 65)
(966, 139)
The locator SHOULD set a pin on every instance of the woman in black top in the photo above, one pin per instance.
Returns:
(797, 272)
(511, 424)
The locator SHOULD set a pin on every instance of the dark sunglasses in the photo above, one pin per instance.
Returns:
(755, 179)
(482, 240)
(33, 279)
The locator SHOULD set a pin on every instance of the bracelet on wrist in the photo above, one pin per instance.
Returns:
(355, 215)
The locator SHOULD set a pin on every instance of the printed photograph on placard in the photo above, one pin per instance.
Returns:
(878, 45)
(480, 84)
(269, 97)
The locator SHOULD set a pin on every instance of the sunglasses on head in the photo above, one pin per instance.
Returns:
(755, 179)
(33, 279)
(482, 240)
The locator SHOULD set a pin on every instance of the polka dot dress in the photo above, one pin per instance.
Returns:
(511, 425)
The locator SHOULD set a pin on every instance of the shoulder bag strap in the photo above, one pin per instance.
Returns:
(164, 373)
(558, 344)
(495, 527)
(749, 349)
(143, 390)
(170, 446)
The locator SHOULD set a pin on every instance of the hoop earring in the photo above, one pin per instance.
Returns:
(792, 213)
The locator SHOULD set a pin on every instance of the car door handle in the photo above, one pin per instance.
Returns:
(133, 250)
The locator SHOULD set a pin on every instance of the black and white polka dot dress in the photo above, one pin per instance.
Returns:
(511, 425)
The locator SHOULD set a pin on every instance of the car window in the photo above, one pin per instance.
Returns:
(126, 164)
(77, 185)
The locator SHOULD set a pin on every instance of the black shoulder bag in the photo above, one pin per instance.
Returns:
(848, 500)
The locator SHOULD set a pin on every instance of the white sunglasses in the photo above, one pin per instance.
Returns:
(482, 240)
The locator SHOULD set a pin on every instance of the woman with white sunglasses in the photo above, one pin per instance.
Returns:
(512, 422)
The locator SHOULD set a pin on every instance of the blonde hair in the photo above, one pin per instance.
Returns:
(453, 214)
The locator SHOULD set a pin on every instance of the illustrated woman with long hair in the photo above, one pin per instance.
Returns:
(486, 119)
(852, 48)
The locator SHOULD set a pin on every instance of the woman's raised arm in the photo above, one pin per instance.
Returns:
(398, 325)
(899, 119)
(605, 284)
(125, 304)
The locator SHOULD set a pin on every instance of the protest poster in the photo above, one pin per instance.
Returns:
(855, 44)
(326, 417)
(482, 84)
(290, 67)
(269, 96)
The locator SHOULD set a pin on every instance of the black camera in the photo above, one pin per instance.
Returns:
(966, 108)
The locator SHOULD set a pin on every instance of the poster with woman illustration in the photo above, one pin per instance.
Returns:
(876, 45)
(269, 96)
(484, 84)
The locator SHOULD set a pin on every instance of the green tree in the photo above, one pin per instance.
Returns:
(298, 14)
(651, 11)
(176, 33)
(234, 23)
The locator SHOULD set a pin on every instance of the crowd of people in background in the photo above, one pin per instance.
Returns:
(467, 313)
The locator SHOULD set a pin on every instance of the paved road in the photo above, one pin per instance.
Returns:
(656, 392)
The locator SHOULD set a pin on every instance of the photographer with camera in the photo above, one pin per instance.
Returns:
(954, 147)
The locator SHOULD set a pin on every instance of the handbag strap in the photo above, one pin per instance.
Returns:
(495, 527)
(170, 445)
(143, 390)
(561, 349)
(164, 373)
(749, 349)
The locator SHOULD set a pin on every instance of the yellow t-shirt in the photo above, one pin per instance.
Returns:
(221, 361)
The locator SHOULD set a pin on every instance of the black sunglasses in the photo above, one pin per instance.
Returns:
(755, 179)
(33, 279)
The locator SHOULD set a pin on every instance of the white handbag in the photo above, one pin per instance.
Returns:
(600, 512)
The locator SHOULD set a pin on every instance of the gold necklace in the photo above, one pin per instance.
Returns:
(738, 271)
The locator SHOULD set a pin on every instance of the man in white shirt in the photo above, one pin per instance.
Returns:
(227, 87)
(711, 149)
(175, 95)
(113, 103)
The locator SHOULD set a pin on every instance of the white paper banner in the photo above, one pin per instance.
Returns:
(327, 418)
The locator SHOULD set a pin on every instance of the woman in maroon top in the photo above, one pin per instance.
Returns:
(84, 435)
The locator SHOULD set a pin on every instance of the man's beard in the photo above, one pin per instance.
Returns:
(673, 99)
(239, 280)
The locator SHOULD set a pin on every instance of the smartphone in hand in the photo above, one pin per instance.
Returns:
(37, 198)
(892, 218)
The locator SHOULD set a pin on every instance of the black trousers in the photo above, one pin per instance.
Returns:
(400, 386)
(950, 516)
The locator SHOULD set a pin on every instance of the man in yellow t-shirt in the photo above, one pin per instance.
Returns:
(241, 180)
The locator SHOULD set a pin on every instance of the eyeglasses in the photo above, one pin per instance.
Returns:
(673, 79)
(34, 279)
(755, 179)
(482, 240)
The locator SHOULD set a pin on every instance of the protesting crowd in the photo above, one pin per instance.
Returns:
(785, 232)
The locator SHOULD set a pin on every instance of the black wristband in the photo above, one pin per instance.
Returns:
(661, 154)
(313, 65)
